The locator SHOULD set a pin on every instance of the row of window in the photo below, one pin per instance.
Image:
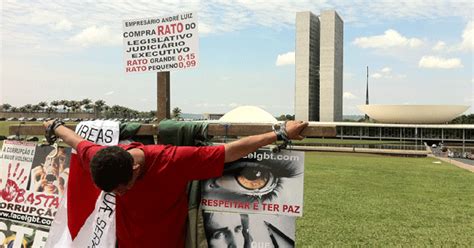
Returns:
(406, 133)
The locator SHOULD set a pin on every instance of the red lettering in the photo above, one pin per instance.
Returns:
(271, 207)
(170, 28)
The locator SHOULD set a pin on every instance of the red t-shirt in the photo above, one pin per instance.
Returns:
(153, 212)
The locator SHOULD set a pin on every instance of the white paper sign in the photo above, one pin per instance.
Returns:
(167, 43)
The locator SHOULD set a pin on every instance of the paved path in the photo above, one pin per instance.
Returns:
(457, 163)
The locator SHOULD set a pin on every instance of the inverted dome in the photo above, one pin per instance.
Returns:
(413, 114)
(248, 114)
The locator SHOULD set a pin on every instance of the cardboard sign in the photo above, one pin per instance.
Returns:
(32, 184)
(262, 182)
(167, 43)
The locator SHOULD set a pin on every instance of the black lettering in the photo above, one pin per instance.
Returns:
(92, 131)
(83, 131)
(108, 136)
(100, 136)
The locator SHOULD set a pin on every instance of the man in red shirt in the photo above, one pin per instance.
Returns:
(150, 181)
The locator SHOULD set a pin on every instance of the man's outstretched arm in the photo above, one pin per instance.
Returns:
(67, 135)
(244, 146)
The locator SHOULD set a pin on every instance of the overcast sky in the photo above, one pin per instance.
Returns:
(418, 52)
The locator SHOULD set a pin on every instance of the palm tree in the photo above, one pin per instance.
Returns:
(27, 108)
(88, 107)
(5, 107)
(176, 113)
(84, 102)
(55, 104)
(98, 107)
(74, 105)
(36, 108)
(43, 105)
(65, 104)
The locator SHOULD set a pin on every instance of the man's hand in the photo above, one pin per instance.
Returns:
(244, 146)
(294, 128)
(67, 135)
(46, 124)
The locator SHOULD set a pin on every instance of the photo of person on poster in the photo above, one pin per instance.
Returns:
(264, 178)
(50, 170)
(249, 230)
(227, 231)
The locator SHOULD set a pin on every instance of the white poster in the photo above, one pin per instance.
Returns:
(262, 182)
(166, 43)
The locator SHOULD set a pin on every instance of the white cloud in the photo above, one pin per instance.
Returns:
(109, 93)
(467, 43)
(349, 95)
(438, 62)
(390, 39)
(285, 59)
(51, 18)
(62, 24)
(386, 72)
(96, 36)
(376, 75)
(439, 46)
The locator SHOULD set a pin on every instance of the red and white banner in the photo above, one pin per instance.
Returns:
(86, 217)
(32, 180)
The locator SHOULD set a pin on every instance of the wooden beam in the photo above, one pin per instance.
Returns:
(215, 129)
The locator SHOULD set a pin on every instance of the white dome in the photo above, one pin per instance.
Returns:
(413, 114)
(248, 114)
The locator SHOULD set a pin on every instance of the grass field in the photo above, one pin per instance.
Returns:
(376, 201)
(346, 141)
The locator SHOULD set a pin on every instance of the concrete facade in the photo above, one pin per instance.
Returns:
(331, 66)
(307, 67)
(319, 66)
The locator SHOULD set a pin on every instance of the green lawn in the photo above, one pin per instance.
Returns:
(378, 201)
(347, 141)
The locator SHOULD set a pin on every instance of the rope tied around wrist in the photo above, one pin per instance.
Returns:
(282, 135)
(49, 132)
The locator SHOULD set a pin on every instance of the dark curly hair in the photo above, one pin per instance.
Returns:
(111, 167)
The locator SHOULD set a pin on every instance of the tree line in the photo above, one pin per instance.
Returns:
(99, 108)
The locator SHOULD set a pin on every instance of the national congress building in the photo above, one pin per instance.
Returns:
(319, 66)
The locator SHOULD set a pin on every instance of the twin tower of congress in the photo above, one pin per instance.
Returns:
(319, 66)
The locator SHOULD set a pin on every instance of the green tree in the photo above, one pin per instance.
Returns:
(5, 107)
(99, 106)
(55, 105)
(463, 119)
(26, 108)
(36, 108)
(176, 113)
(43, 105)
(286, 117)
(88, 107)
